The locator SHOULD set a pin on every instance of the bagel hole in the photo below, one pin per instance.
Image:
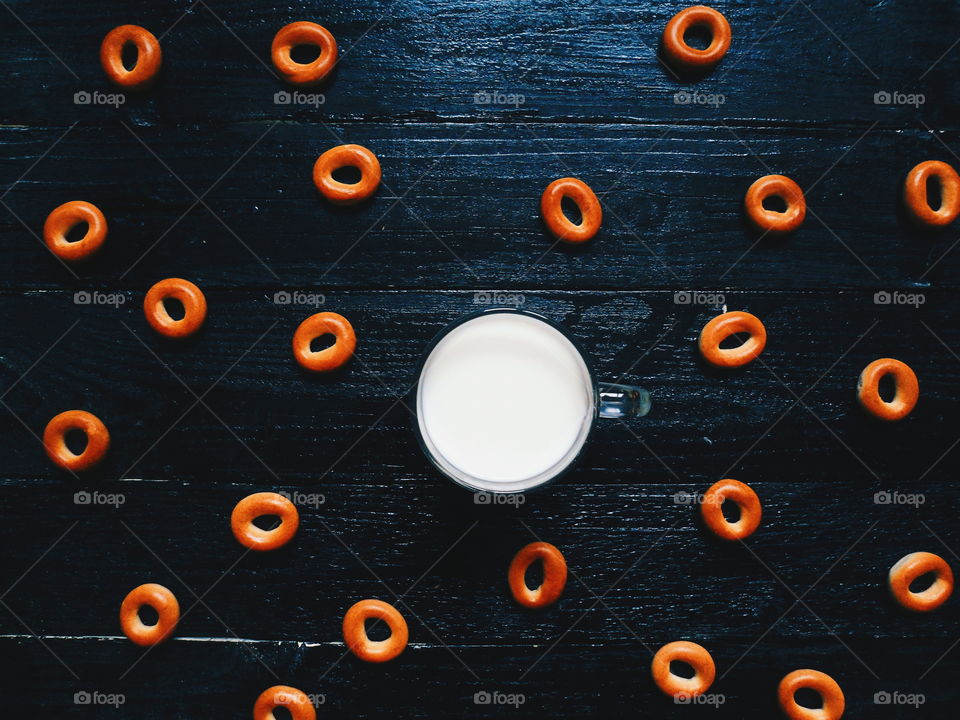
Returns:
(377, 630)
(571, 210)
(148, 615)
(77, 232)
(533, 575)
(730, 510)
(281, 713)
(774, 203)
(922, 583)
(267, 522)
(808, 698)
(887, 388)
(682, 669)
(698, 36)
(129, 54)
(174, 308)
(348, 175)
(305, 54)
(322, 342)
(76, 440)
(934, 192)
(734, 340)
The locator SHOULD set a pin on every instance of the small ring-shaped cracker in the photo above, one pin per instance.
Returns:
(554, 575)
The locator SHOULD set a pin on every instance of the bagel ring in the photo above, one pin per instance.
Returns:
(909, 568)
(341, 193)
(746, 499)
(822, 684)
(258, 505)
(67, 216)
(722, 327)
(680, 53)
(325, 323)
(560, 226)
(696, 656)
(295, 701)
(554, 575)
(149, 56)
(774, 222)
(303, 33)
(54, 440)
(915, 193)
(161, 600)
(355, 633)
(190, 296)
(905, 397)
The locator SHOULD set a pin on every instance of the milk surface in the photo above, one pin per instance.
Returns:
(505, 401)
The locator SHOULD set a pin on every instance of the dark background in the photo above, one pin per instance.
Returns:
(205, 177)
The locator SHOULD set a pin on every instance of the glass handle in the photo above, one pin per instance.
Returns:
(623, 401)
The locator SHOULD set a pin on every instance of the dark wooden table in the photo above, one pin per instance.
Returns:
(206, 177)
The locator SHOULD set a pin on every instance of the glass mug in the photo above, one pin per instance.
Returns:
(506, 399)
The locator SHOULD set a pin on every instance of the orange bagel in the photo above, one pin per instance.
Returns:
(98, 440)
(149, 56)
(915, 193)
(823, 684)
(190, 296)
(161, 600)
(909, 568)
(907, 392)
(343, 156)
(558, 223)
(67, 216)
(747, 500)
(329, 358)
(679, 53)
(772, 221)
(294, 701)
(303, 33)
(696, 656)
(258, 505)
(554, 575)
(722, 327)
(355, 633)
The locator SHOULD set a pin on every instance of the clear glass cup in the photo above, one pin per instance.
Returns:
(600, 400)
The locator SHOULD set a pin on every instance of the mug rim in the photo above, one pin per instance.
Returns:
(450, 327)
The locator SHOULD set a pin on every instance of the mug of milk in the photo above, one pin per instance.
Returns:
(506, 401)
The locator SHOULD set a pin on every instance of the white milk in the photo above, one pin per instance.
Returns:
(504, 402)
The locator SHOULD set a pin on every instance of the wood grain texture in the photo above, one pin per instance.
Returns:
(205, 176)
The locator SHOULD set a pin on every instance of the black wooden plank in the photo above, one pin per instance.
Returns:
(298, 424)
(460, 207)
(790, 63)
